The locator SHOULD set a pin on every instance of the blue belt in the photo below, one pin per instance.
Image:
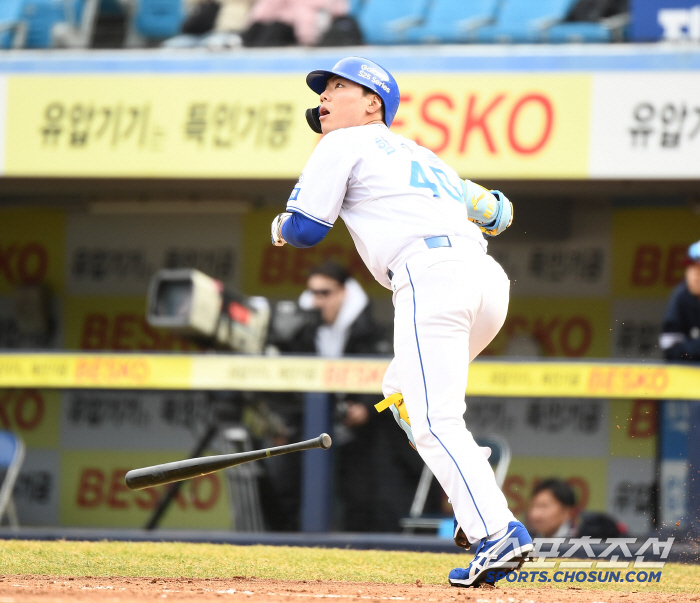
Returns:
(432, 243)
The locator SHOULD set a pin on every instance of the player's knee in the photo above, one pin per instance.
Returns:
(423, 436)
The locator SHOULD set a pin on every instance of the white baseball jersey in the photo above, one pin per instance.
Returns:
(388, 190)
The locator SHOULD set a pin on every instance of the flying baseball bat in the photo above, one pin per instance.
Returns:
(179, 470)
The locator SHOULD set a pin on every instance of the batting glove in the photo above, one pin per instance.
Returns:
(503, 219)
(276, 229)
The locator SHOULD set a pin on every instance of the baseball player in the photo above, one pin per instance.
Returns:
(418, 227)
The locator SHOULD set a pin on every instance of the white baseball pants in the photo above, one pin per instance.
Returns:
(450, 302)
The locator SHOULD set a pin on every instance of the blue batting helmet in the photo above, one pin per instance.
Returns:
(366, 73)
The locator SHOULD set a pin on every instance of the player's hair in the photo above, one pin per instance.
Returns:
(367, 91)
(562, 491)
(331, 270)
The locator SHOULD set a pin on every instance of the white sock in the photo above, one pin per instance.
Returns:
(499, 534)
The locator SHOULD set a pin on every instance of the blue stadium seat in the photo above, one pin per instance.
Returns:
(41, 16)
(578, 32)
(158, 19)
(11, 459)
(524, 20)
(386, 21)
(12, 28)
(356, 7)
(453, 21)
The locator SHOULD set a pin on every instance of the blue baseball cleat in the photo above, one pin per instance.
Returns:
(494, 559)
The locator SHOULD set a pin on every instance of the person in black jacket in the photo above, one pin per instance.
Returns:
(680, 333)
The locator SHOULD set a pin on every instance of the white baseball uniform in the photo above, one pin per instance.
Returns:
(450, 301)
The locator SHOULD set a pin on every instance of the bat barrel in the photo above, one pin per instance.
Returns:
(156, 475)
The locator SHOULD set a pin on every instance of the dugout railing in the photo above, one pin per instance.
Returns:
(319, 378)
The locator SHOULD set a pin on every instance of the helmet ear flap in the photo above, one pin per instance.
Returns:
(313, 118)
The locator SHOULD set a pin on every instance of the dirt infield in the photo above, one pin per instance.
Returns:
(48, 589)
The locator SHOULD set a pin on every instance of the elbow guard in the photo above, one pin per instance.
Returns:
(491, 211)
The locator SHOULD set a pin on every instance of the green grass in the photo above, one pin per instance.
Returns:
(160, 560)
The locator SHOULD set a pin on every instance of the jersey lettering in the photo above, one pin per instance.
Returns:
(420, 180)
(450, 189)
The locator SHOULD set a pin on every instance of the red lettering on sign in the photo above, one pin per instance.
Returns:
(24, 264)
(439, 125)
(548, 110)
(404, 101)
(558, 336)
(29, 409)
(479, 122)
(94, 335)
(32, 263)
(544, 332)
(117, 486)
(653, 265)
(123, 333)
(147, 498)
(4, 413)
(646, 265)
(205, 492)
(90, 488)
(643, 422)
(627, 380)
(290, 266)
(675, 270)
(127, 331)
(96, 488)
(21, 409)
(575, 336)
(273, 269)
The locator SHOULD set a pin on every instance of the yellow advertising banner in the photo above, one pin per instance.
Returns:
(94, 371)
(229, 126)
(358, 375)
(648, 260)
(32, 247)
(253, 126)
(504, 126)
(93, 493)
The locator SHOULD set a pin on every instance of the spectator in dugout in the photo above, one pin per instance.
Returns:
(680, 332)
(553, 513)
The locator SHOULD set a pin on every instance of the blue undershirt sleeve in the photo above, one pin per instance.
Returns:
(300, 231)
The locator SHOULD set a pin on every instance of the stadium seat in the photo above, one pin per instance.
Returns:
(11, 459)
(520, 21)
(453, 21)
(13, 29)
(157, 19)
(356, 7)
(77, 30)
(41, 16)
(386, 21)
